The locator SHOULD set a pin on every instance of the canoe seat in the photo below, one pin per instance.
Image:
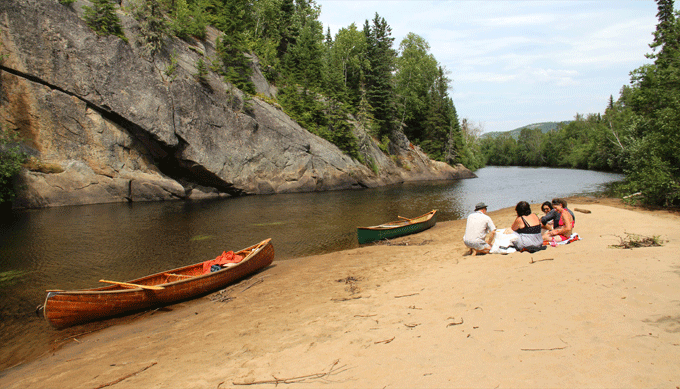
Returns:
(176, 275)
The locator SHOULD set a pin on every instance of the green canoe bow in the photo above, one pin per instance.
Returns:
(397, 228)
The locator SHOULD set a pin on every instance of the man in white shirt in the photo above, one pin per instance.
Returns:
(476, 230)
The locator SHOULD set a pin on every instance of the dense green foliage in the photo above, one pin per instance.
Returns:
(471, 155)
(378, 75)
(653, 166)
(11, 159)
(201, 72)
(188, 21)
(424, 109)
(152, 24)
(584, 143)
(102, 18)
(638, 133)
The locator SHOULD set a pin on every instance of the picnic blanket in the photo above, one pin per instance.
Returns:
(573, 238)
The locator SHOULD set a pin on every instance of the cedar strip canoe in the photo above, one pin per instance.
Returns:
(397, 228)
(66, 308)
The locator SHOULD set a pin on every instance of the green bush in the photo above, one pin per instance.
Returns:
(153, 27)
(235, 66)
(188, 21)
(172, 67)
(201, 72)
(652, 176)
(102, 18)
(11, 160)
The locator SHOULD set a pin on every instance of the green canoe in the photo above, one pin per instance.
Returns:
(397, 228)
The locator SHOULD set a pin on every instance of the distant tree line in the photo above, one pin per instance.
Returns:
(326, 83)
(638, 134)
(587, 142)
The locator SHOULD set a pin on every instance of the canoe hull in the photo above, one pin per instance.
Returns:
(68, 308)
(397, 228)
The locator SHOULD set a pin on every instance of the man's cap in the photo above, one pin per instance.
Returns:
(480, 206)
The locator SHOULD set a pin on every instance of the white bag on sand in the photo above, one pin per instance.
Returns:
(502, 242)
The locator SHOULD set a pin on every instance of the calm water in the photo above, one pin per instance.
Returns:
(74, 247)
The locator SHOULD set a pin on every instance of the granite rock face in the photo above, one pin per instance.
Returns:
(124, 125)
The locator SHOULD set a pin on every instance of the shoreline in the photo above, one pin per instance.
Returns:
(413, 313)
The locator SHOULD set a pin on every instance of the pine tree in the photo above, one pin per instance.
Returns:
(181, 19)
(666, 34)
(235, 65)
(454, 141)
(287, 30)
(152, 24)
(379, 89)
(416, 74)
(233, 17)
(344, 61)
(303, 61)
(439, 118)
(102, 18)
(199, 21)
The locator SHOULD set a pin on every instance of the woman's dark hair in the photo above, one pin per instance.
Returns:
(560, 201)
(523, 209)
(547, 204)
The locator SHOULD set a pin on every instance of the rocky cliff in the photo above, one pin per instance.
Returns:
(106, 122)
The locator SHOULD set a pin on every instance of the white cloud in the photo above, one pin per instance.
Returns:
(552, 76)
(481, 77)
(519, 20)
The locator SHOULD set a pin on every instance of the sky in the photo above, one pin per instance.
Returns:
(514, 63)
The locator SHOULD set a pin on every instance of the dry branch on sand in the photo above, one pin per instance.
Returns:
(125, 377)
(332, 370)
(632, 241)
(539, 260)
(387, 242)
(224, 295)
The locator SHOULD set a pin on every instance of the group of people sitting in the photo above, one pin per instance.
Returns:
(531, 233)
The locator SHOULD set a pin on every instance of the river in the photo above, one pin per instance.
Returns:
(74, 247)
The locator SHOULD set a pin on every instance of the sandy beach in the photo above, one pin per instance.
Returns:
(414, 313)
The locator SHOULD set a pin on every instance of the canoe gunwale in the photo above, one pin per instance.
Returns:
(402, 223)
(396, 229)
(117, 289)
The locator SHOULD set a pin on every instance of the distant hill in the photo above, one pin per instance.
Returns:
(544, 127)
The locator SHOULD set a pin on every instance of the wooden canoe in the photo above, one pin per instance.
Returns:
(397, 228)
(66, 308)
